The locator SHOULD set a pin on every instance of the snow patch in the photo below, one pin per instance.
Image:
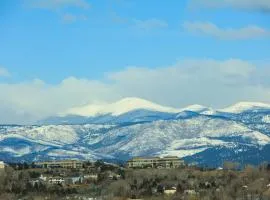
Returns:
(266, 119)
(17, 151)
(245, 106)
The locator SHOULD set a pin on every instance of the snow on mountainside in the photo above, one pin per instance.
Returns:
(142, 128)
(183, 137)
(266, 119)
(127, 105)
(135, 110)
(128, 110)
(245, 106)
(52, 141)
(118, 108)
(195, 108)
(160, 137)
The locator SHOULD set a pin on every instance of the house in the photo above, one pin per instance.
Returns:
(56, 180)
(34, 181)
(112, 175)
(170, 191)
(74, 180)
(2, 165)
(43, 178)
(91, 176)
(156, 162)
(245, 187)
(70, 164)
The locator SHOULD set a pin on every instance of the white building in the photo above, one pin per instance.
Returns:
(2, 165)
(170, 191)
(91, 176)
(70, 164)
(56, 180)
(156, 162)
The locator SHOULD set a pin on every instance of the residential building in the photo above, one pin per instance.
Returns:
(56, 180)
(91, 176)
(74, 164)
(170, 191)
(2, 165)
(74, 180)
(35, 181)
(43, 178)
(156, 162)
(112, 175)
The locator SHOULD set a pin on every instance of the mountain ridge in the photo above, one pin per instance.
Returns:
(133, 103)
(203, 135)
(139, 110)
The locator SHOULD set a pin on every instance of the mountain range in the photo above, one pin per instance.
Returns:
(136, 127)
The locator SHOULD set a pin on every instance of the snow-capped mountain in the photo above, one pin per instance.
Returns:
(128, 110)
(136, 127)
(195, 108)
(118, 108)
(245, 106)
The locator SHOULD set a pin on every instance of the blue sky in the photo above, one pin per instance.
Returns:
(51, 42)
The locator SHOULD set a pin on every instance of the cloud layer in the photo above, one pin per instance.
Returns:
(56, 4)
(207, 28)
(4, 72)
(70, 18)
(249, 5)
(209, 82)
(150, 24)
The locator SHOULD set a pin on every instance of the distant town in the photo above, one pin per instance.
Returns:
(139, 178)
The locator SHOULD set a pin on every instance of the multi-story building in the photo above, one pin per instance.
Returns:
(71, 164)
(156, 162)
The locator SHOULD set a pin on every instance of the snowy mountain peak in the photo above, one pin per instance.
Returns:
(120, 107)
(245, 106)
(195, 108)
(132, 103)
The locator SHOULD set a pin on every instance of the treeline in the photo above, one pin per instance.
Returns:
(250, 183)
(190, 183)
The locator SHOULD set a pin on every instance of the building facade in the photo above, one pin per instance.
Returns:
(70, 164)
(2, 165)
(56, 180)
(156, 162)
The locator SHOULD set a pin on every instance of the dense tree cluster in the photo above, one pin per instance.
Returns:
(189, 183)
(230, 183)
(15, 184)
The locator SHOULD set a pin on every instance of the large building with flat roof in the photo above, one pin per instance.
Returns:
(71, 164)
(155, 162)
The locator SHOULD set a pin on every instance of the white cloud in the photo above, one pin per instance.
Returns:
(250, 5)
(207, 28)
(70, 18)
(4, 72)
(56, 4)
(116, 18)
(208, 82)
(150, 24)
(60, 6)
